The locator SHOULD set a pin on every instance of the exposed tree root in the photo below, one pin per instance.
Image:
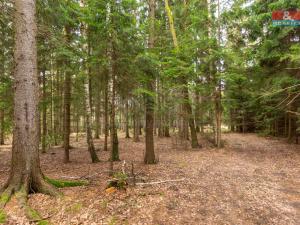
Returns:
(43, 185)
(5, 196)
(31, 214)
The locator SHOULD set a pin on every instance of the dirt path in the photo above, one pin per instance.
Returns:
(253, 180)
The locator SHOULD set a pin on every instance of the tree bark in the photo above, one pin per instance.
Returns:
(135, 123)
(187, 108)
(89, 136)
(25, 172)
(106, 125)
(97, 116)
(113, 129)
(149, 157)
(88, 93)
(2, 127)
(44, 116)
(127, 119)
(67, 103)
(114, 156)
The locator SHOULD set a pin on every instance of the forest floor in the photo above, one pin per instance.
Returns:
(252, 180)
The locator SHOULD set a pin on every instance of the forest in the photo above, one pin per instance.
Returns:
(159, 112)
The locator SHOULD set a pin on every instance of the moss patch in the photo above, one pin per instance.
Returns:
(3, 217)
(43, 222)
(66, 183)
(4, 198)
(33, 214)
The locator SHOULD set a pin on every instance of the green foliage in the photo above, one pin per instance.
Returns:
(43, 222)
(119, 181)
(4, 198)
(3, 217)
(32, 214)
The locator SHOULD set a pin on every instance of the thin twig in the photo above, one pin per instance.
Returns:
(161, 182)
(293, 99)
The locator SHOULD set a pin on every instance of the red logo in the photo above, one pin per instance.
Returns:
(286, 15)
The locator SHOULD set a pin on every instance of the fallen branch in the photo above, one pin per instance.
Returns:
(161, 182)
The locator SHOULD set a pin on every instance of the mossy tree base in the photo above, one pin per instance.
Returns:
(21, 190)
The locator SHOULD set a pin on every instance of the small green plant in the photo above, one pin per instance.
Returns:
(43, 222)
(119, 181)
(32, 214)
(3, 217)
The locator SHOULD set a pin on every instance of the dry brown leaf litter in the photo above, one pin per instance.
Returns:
(253, 180)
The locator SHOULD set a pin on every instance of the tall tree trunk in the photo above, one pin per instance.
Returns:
(106, 125)
(25, 173)
(167, 113)
(97, 116)
(1, 126)
(149, 139)
(89, 136)
(57, 108)
(218, 117)
(127, 119)
(218, 94)
(186, 105)
(135, 123)
(188, 110)
(114, 156)
(44, 116)
(159, 113)
(67, 103)
(88, 94)
(113, 128)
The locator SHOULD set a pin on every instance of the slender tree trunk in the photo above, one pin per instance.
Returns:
(218, 95)
(127, 119)
(135, 123)
(112, 57)
(198, 112)
(44, 116)
(97, 116)
(113, 128)
(106, 125)
(166, 116)
(67, 103)
(149, 153)
(51, 102)
(25, 173)
(218, 117)
(159, 121)
(187, 105)
(57, 107)
(1, 126)
(77, 126)
(88, 95)
(188, 110)
(89, 136)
